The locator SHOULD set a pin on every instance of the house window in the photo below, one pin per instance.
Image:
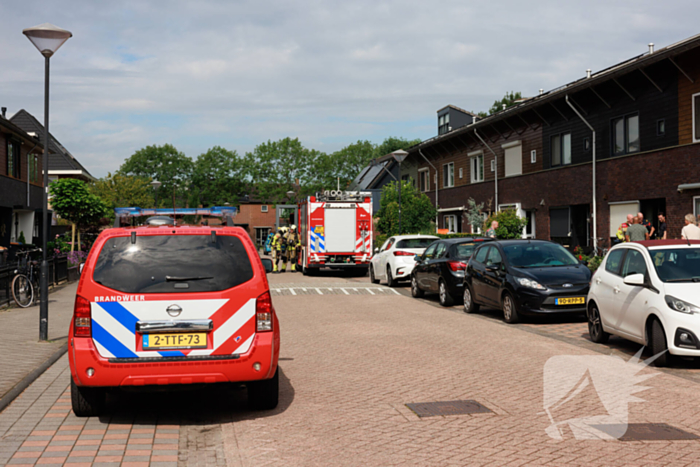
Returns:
(13, 159)
(424, 179)
(477, 168)
(696, 117)
(443, 124)
(263, 208)
(661, 127)
(625, 131)
(448, 175)
(34, 168)
(513, 158)
(450, 223)
(493, 165)
(561, 149)
(533, 156)
(696, 206)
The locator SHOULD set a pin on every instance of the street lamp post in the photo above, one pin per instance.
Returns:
(47, 38)
(156, 184)
(399, 155)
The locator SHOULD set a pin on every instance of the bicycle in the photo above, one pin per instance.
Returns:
(23, 283)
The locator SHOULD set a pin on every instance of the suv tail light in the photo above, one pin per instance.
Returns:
(403, 253)
(457, 266)
(82, 320)
(263, 313)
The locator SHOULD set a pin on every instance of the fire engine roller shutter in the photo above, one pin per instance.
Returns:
(341, 230)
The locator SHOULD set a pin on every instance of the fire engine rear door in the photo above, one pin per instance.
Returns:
(341, 229)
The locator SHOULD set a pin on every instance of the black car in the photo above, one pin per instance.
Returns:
(440, 269)
(525, 277)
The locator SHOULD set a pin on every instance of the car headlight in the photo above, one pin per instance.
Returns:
(679, 305)
(525, 282)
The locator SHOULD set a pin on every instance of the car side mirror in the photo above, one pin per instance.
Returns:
(636, 280)
(80, 269)
(267, 264)
(376, 250)
(416, 258)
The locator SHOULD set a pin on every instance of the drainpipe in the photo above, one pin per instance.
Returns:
(595, 224)
(495, 157)
(437, 226)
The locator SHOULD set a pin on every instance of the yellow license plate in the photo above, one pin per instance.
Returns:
(181, 340)
(570, 301)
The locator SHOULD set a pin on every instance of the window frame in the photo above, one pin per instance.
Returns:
(661, 121)
(447, 173)
(473, 178)
(696, 138)
(424, 172)
(13, 164)
(533, 156)
(453, 218)
(625, 118)
(561, 150)
(263, 208)
(444, 123)
(619, 267)
(625, 263)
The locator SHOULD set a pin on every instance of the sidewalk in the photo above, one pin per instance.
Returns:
(21, 353)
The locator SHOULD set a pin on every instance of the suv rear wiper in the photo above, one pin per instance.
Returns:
(186, 278)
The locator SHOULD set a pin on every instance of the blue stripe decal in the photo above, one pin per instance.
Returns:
(172, 353)
(108, 341)
(121, 314)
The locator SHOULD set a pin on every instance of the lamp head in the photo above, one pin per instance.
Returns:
(47, 38)
(155, 184)
(400, 155)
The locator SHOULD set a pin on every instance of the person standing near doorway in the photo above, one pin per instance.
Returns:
(646, 224)
(637, 232)
(661, 233)
(690, 231)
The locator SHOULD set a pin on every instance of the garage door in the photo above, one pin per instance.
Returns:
(618, 214)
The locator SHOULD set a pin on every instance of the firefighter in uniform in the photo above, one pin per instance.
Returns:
(275, 248)
(293, 245)
(282, 249)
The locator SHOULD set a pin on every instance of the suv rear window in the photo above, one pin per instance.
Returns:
(173, 263)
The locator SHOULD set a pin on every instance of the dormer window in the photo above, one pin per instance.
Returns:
(443, 124)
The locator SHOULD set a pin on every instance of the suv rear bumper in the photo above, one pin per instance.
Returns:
(82, 355)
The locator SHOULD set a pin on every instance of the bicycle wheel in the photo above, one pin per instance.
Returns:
(22, 290)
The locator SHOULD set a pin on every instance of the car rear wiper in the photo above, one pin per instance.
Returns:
(186, 278)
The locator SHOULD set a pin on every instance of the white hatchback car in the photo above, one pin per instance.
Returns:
(395, 260)
(649, 292)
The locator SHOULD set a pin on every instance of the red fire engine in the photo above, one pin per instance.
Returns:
(336, 231)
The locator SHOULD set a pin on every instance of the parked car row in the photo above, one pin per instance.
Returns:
(647, 292)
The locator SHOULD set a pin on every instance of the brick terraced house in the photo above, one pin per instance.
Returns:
(21, 184)
(537, 155)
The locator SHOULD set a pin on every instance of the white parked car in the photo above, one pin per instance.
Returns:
(394, 261)
(649, 292)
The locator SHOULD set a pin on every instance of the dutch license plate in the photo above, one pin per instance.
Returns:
(570, 301)
(175, 341)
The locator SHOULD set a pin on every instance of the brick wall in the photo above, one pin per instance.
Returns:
(252, 215)
(638, 177)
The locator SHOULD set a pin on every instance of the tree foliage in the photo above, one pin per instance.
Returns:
(392, 144)
(218, 177)
(417, 211)
(348, 162)
(509, 100)
(71, 200)
(119, 191)
(163, 163)
(474, 214)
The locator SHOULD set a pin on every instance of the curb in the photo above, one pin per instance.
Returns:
(31, 377)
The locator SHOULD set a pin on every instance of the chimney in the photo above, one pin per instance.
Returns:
(541, 91)
(504, 106)
(651, 47)
(588, 73)
(4, 112)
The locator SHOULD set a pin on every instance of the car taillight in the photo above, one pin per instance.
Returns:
(403, 253)
(263, 313)
(457, 265)
(82, 322)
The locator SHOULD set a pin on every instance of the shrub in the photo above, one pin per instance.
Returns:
(509, 224)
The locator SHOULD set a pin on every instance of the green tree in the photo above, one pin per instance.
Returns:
(509, 100)
(275, 166)
(218, 176)
(509, 224)
(163, 163)
(417, 211)
(474, 215)
(120, 191)
(71, 200)
(394, 143)
(348, 162)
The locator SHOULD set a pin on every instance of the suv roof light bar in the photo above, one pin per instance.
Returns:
(216, 211)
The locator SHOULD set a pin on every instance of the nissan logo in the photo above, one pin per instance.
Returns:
(174, 310)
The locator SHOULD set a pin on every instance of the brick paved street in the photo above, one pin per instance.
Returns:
(351, 360)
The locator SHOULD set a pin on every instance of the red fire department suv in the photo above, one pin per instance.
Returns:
(165, 305)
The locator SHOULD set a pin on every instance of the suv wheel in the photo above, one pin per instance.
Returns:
(445, 297)
(416, 291)
(659, 348)
(86, 402)
(510, 314)
(264, 395)
(389, 278)
(595, 327)
(372, 279)
(469, 305)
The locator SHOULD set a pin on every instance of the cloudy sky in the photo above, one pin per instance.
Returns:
(236, 73)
